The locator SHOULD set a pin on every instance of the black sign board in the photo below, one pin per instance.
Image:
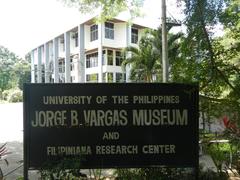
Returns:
(111, 125)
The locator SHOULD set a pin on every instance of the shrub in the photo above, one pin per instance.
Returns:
(12, 95)
(220, 153)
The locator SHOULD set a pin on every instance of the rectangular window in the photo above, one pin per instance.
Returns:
(76, 39)
(104, 77)
(107, 77)
(62, 44)
(71, 64)
(109, 30)
(72, 78)
(110, 77)
(134, 36)
(120, 77)
(119, 58)
(92, 77)
(94, 32)
(61, 66)
(109, 57)
(92, 60)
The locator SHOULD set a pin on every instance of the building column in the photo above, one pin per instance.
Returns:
(32, 67)
(128, 43)
(81, 56)
(67, 56)
(46, 57)
(100, 43)
(114, 77)
(55, 60)
(39, 64)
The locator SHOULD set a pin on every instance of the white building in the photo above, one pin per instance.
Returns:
(88, 52)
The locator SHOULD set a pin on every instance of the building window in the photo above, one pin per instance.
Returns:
(109, 30)
(134, 36)
(107, 77)
(119, 58)
(92, 60)
(94, 32)
(62, 44)
(92, 77)
(109, 57)
(61, 78)
(104, 75)
(120, 77)
(110, 77)
(71, 64)
(75, 37)
(43, 72)
(72, 78)
(61, 66)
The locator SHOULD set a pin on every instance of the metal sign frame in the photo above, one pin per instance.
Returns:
(111, 125)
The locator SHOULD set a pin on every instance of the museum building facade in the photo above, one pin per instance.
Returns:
(88, 52)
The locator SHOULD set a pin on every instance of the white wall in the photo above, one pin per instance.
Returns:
(119, 40)
(112, 69)
(89, 44)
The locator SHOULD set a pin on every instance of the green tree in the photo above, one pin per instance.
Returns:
(22, 69)
(213, 61)
(109, 8)
(7, 62)
(144, 60)
(203, 57)
(174, 44)
(230, 52)
(14, 71)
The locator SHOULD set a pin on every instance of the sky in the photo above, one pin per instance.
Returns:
(25, 24)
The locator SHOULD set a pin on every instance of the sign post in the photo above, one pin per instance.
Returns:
(111, 125)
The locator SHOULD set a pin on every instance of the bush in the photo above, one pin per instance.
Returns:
(210, 175)
(220, 153)
(12, 95)
(158, 173)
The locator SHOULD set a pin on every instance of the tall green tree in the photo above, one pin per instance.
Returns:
(22, 71)
(205, 58)
(230, 51)
(174, 43)
(14, 71)
(7, 62)
(144, 60)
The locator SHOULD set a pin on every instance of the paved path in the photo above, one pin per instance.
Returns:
(11, 131)
(11, 122)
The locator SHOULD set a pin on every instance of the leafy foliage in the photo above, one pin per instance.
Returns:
(144, 60)
(206, 59)
(7, 62)
(160, 173)
(3, 152)
(14, 71)
(109, 8)
(12, 95)
(57, 169)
